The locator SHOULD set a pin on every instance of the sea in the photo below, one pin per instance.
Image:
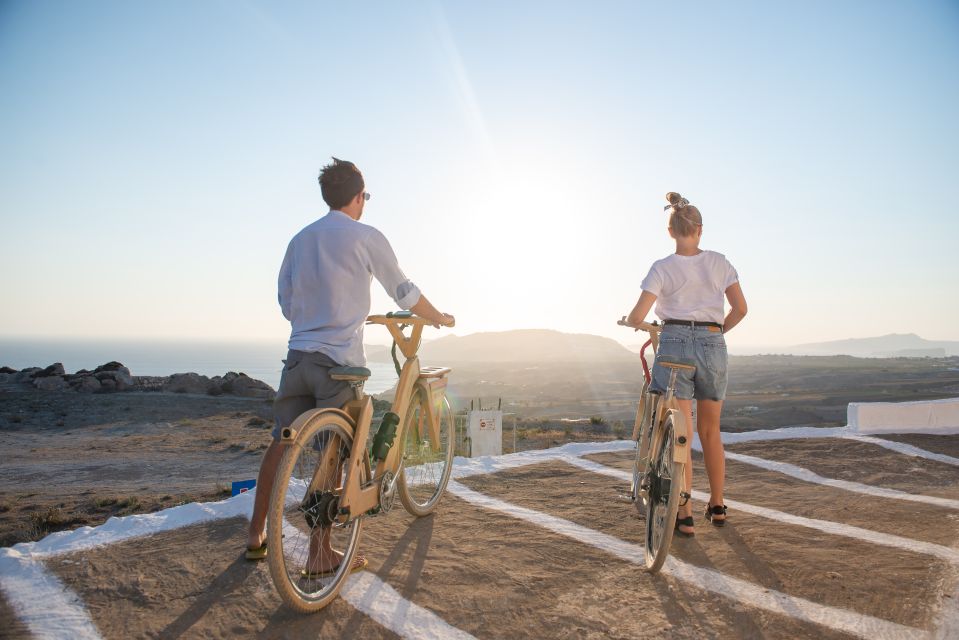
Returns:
(260, 360)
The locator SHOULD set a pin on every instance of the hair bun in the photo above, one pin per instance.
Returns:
(673, 198)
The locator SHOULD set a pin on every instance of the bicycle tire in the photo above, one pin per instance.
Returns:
(425, 473)
(292, 526)
(644, 417)
(662, 504)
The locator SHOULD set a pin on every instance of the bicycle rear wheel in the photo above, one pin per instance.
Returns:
(665, 481)
(303, 509)
(426, 471)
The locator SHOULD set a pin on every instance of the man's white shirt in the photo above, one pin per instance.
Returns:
(324, 285)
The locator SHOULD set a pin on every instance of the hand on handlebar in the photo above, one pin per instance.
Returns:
(448, 321)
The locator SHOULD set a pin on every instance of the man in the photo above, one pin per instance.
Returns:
(324, 291)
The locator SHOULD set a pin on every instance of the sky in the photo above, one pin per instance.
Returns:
(157, 158)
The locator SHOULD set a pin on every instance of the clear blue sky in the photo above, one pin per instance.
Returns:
(157, 158)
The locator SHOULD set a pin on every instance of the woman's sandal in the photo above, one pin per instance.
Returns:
(718, 510)
(685, 522)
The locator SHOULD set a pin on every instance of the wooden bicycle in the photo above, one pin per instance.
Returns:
(661, 435)
(330, 479)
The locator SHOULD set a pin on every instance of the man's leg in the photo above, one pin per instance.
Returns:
(264, 488)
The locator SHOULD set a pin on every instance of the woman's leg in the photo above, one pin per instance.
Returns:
(707, 413)
(686, 406)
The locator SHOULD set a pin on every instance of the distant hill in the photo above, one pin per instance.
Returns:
(888, 346)
(525, 345)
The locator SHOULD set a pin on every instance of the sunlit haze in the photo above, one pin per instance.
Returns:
(157, 158)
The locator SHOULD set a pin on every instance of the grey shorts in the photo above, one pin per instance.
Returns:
(704, 347)
(306, 384)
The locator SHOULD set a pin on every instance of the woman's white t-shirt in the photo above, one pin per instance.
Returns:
(691, 287)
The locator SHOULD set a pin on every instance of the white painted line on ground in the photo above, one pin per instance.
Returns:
(465, 467)
(908, 449)
(385, 605)
(381, 602)
(753, 595)
(119, 529)
(885, 539)
(793, 471)
(41, 601)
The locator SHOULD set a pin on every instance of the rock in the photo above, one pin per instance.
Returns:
(113, 365)
(55, 369)
(7, 370)
(26, 375)
(108, 384)
(247, 387)
(86, 384)
(123, 378)
(51, 383)
(187, 383)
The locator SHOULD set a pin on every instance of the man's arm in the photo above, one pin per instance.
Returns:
(285, 283)
(424, 309)
(407, 295)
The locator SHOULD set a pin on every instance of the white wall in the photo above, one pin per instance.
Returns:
(928, 416)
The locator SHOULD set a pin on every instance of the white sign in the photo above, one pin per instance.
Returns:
(486, 433)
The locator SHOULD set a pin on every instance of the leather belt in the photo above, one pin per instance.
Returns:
(714, 326)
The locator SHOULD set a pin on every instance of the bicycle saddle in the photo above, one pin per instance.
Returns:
(354, 374)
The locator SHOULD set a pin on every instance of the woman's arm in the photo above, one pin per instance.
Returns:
(737, 302)
(641, 310)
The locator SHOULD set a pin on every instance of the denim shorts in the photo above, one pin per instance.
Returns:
(306, 384)
(707, 349)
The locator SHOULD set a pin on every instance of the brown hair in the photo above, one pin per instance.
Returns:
(340, 181)
(684, 217)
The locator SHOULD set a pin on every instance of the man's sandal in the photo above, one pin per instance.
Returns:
(685, 522)
(718, 510)
(256, 554)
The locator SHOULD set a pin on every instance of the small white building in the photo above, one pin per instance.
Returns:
(486, 433)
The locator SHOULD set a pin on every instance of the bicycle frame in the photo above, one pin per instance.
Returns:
(357, 499)
(662, 403)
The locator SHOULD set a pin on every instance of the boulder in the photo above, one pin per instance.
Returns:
(26, 375)
(55, 369)
(86, 384)
(247, 387)
(7, 370)
(113, 365)
(50, 383)
(108, 384)
(187, 383)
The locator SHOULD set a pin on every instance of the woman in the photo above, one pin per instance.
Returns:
(687, 288)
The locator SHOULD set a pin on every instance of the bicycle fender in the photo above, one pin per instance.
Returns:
(680, 437)
(289, 433)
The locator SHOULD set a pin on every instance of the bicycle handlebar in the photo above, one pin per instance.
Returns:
(403, 318)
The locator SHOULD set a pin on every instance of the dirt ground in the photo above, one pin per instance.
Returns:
(75, 459)
(498, 577)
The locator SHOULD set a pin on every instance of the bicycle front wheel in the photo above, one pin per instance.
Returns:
(426, 468)
(310, 553)
(665, 481)
(642, 433)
